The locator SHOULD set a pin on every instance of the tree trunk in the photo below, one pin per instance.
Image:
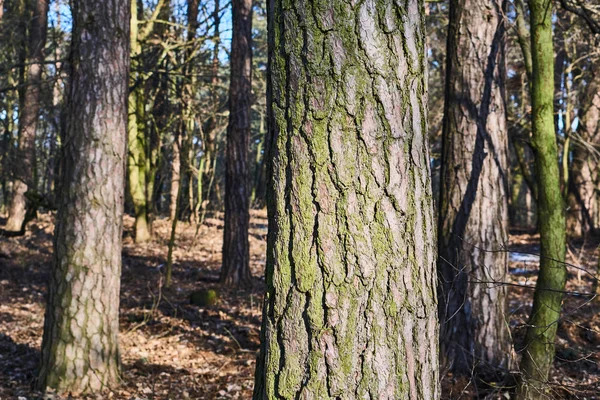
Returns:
(538, 352)
(187, 125)
(80, 349)
(473, 220)
(236, 252)
(143, 148)
(584, 212)
(523, 37)
(175, 176)
(160, 113)
(24, 163)
(210, 128)
(136, 164)
(258, 188)
(350, 310)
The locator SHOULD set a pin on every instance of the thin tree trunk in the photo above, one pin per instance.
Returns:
(175, 176)
(185, 127)
(142, 148)
(258, 188)
(474, 192)
(538, 352)
(210, 126)
(160, 114)
(523, 37)
(236, 248)
(176, 167)
(24, 163)
(350, 310)
(584, 211)
(171, 246)
(80, 348)
(137, 136)
(210, 129)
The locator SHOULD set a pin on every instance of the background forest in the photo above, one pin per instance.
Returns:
(224, 120)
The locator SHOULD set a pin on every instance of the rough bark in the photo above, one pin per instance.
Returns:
(80, 351)
(236, 248)
(538, 352)
(350, 310)
(24, 163)
(473, 219)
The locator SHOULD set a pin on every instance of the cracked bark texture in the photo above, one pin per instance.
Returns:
(24, 163)
(350, 310)
(236, 248)
(474, 192)
(80, 351)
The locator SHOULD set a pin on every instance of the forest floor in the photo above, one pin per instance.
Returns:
(174, 350)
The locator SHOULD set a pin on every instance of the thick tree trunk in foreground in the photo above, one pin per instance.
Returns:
(538, 352)
(236, 251)
(350, 310)
(24, 163)
(474, 192)
(80, 351)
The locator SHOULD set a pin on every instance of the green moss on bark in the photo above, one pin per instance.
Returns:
(348, 162)
(538, 353)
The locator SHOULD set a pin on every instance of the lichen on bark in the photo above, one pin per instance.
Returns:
(350, 309)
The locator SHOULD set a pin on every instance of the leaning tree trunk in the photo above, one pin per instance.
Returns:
(473, 220)
(538, 351)
(80, 349)
(236, 252)
(350, 310)
(24, 163)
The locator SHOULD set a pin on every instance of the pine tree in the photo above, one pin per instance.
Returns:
(236, 248)
(474, 191)
(80, 349)
(350, 310)
(24, 164)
